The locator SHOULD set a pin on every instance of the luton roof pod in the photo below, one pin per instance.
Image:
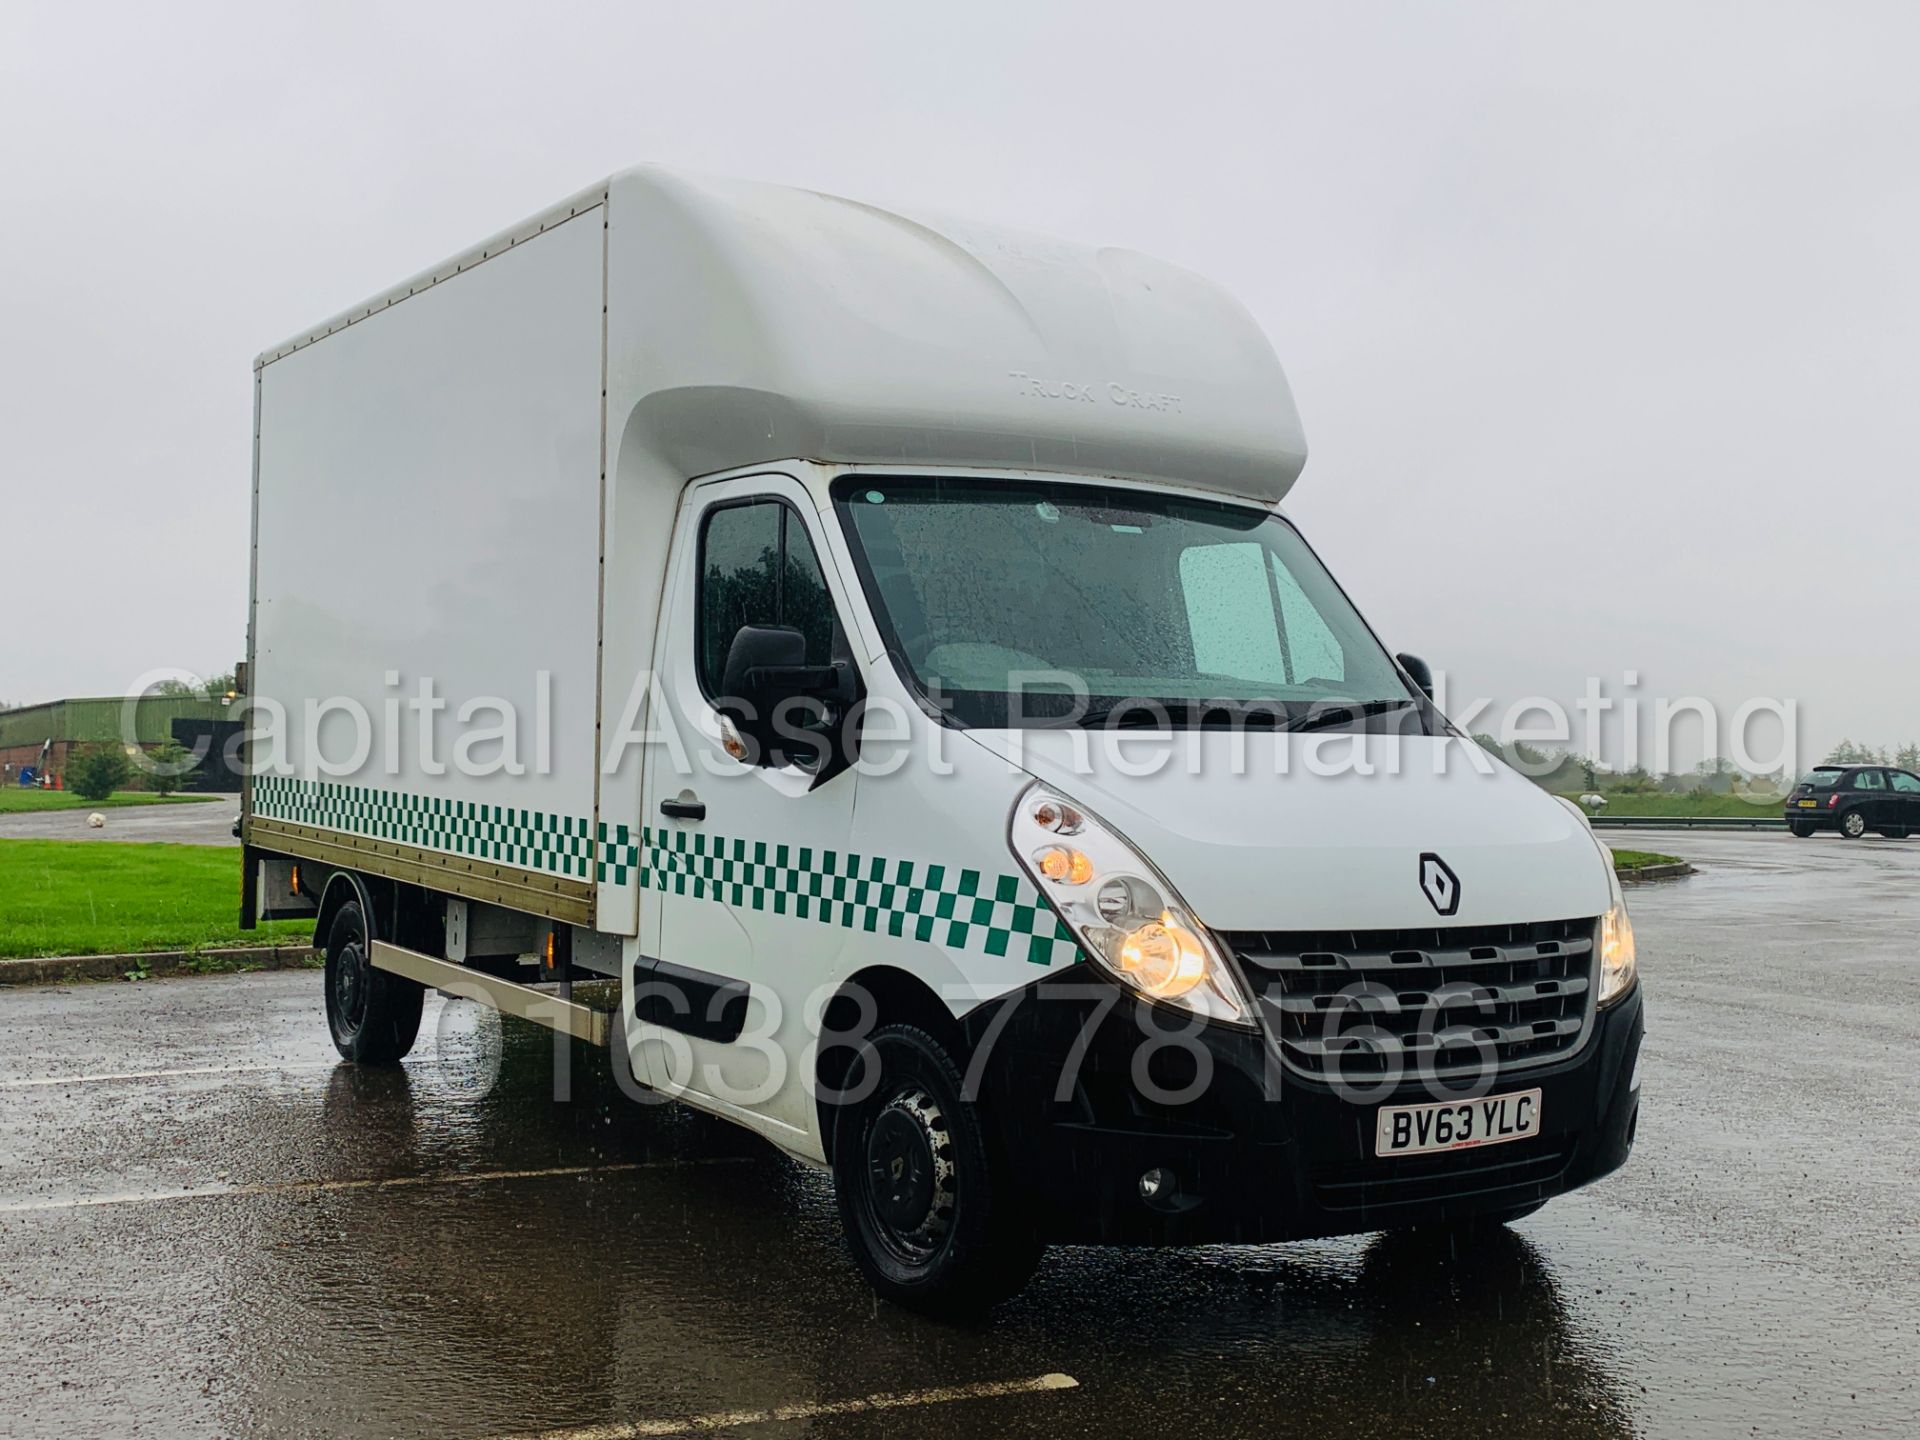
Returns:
(752, 322)
(775, 323)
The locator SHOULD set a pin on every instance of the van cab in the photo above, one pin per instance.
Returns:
(1215, 931)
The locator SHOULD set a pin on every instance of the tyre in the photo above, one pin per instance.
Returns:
(1853, 824)
(1895, 832)
(1801, 828)
(374, 1014)
(930, 1213)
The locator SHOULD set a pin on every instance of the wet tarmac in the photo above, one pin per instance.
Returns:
(188, 822)
(207, 1227)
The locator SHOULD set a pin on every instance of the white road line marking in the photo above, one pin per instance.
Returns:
(323, 1187)
(48, 1080)
(807, 1410)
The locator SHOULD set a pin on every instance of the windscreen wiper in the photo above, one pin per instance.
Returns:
(1129, 715)
(1321, 719)
(1148, 714)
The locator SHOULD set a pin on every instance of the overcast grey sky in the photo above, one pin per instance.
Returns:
(1602, 320)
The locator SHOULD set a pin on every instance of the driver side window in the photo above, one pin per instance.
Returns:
(758, 567)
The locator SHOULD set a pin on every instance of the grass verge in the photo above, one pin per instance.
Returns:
(1628, 860)
(16, 801)
(215, 962)
(72, 897)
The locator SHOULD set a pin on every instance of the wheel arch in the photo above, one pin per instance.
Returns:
(343, 886)
(402, 914)
(899, 997)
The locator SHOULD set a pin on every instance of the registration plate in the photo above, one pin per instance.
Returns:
(1457, 1124)
(1809, 804)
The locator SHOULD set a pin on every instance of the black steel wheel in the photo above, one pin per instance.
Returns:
(374, 1015)
(910, 1192)
(928, 1212)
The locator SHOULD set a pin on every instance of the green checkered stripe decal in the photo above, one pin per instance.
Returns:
(530, 839)
(907, 899)
(619, 855)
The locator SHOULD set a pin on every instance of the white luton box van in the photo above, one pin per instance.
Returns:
(873, 646)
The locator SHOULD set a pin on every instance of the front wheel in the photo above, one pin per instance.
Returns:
(1853, 824)
(374, 1014)
(932, 1220)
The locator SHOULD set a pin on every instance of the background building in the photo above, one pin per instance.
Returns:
(202, 726)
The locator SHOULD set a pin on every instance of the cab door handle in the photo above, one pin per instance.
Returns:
(684, 809)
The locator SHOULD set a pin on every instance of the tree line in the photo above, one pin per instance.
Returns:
(1907, 757)
(1564, 770)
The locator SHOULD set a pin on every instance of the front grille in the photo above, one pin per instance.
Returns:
(1366, 1005)
(1418, 1179)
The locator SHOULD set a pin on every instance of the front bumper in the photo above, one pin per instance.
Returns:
(1256, 1153)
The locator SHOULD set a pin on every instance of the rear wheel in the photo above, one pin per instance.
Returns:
(374, 1014)
(1801, 828)
(932, 1221)
(1853, 824)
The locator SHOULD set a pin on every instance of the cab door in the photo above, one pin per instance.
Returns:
(731, 853)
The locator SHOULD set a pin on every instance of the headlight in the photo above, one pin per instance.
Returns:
(1618, 963)
(1121, 910)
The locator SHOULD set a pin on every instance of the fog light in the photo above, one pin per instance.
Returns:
(1156, 1183)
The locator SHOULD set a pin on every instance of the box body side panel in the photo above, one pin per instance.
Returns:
(426, 615)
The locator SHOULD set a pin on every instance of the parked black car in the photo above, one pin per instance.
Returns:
(1854, 799)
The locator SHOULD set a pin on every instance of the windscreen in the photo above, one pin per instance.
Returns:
(1026, 602)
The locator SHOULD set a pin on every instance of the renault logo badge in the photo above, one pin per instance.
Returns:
(1439, 884)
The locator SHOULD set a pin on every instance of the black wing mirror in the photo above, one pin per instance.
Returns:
(1418, 672)
(782, 708)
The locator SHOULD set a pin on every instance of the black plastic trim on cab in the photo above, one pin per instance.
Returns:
(694, 1002)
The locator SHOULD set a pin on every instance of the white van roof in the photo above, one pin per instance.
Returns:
(751, 322)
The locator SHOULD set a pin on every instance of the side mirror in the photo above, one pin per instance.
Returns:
(1417, 672)
(784, 709)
